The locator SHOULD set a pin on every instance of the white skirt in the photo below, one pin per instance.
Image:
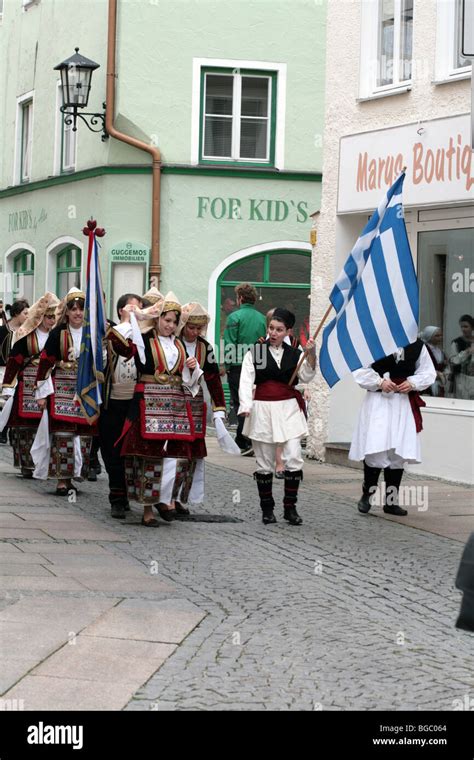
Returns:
(275, 421)
(386, 422)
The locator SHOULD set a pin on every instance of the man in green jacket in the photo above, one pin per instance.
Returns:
(243, 328)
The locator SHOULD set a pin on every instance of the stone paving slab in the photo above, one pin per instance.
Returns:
(143, 620)
(94, 533)
(24, 568)
(22, 533)
(52, 548)
(107, 660)
(28, 583)
(51, 693)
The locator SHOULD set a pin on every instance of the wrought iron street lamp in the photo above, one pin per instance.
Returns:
(76, 75)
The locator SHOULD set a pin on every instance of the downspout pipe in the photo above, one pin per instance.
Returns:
(155, 265)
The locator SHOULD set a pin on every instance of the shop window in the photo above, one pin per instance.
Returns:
(386, 47)
(238, 115)
(446, 278)
(24, 276)
(285, 280)
(68, 270)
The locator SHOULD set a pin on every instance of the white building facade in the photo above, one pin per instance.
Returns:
(398, 94)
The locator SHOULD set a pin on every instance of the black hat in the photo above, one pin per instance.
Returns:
(285, 316)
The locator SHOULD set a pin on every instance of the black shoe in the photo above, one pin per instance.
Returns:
(118, 511)
(3, 437)
(167, 515)
(395, 510)
(98, 468)
(292, 516)
(26, 473)
(127, 507)
(268, 518)
(364, 504)
(92, 476)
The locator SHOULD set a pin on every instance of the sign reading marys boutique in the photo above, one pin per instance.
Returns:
(437, 154)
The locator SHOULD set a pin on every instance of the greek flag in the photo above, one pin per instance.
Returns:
(90, 375)
(375, 296)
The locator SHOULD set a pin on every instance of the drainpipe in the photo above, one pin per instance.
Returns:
(155, 266)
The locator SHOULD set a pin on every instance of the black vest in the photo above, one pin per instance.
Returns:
(266, 367)
(404, 368)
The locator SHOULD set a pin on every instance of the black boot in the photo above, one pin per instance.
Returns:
(264, 485)
(393, 478)
(118, 503)
(292, 482)
(371, 478)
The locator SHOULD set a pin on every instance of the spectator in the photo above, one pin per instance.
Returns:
(243, 329)
(462, 361)
(432, 337)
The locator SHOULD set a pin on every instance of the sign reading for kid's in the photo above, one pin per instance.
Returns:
(437, 154)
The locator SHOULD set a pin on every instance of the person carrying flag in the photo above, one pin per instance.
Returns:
(64, 455)
(374, 336)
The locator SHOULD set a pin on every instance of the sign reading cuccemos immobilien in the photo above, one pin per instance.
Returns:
(129, 252)
(437, 154)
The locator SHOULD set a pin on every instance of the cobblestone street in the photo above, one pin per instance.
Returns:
(344, 612)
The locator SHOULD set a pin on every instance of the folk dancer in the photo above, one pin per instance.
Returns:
(62, 450)
(193, 322)
(23, 413)
(159, 428)
(119, 387)
(387, 434)
(18, 313)
(276, 414)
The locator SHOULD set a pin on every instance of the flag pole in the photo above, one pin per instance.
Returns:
(304, 354)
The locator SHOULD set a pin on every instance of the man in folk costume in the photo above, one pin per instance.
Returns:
(119, 387)
(387, 434)
(159, 429)
(65, 453)
(276, 413)
(23, 411)
(193, 322)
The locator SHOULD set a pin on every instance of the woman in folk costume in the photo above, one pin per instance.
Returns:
(432, 337)
(276, 414)
(193, 322)
(387, 433)
(23, 411)
(18, 313)
(65, 453)
(159, 429)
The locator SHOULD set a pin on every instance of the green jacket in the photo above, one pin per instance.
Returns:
(244, 327)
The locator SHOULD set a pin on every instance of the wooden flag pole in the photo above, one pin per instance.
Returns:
(304, 354)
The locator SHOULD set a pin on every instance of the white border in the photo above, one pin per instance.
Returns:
(50, 265)
(16, 153)
(8, 266)
(235, 63)
(278, 245)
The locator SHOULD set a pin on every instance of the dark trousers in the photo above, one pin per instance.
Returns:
(111, 422)
(233, 375)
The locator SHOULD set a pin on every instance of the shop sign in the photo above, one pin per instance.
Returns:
(437, 154)
(130, 252)
(251, 209)
(26, 219)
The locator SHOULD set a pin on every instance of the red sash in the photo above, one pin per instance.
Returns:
(416, 403)
(272, 390)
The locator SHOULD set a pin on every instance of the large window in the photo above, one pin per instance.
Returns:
(26, 139)
(238, 114)
(449, 63)
(282, 278)
(446, 278)
(68, 270)
(24, 276)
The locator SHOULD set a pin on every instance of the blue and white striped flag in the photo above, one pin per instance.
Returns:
(90, 375)
(375, 296)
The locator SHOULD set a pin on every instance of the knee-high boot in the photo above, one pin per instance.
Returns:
(292, 482)
(393, 478)
(371, 478)
(267, 503)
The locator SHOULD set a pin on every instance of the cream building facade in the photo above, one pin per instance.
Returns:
(383, 112)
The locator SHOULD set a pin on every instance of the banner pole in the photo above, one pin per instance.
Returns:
(304, 354)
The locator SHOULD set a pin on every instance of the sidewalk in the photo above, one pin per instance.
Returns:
(437, 506)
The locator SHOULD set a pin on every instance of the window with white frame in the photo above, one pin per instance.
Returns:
(26, 139)
(238, 110)
(386, 46)
(449, 63)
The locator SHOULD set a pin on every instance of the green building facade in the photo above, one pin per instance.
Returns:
(231, 93)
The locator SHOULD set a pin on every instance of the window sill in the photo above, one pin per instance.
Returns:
(236, 164)
(385, 93)
(459, 77)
